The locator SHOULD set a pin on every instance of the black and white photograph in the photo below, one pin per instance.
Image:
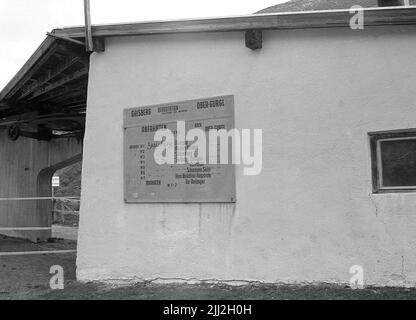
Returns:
(207, 155)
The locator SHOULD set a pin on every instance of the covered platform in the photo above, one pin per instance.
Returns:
(42, 123)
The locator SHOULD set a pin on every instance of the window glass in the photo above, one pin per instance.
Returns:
(398, 162)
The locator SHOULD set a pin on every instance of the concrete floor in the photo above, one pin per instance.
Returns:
(65, 232)
(27, 277)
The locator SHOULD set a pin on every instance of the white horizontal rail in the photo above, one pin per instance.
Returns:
(26, 229)
(24, 253)
(38, 198)
(66, 211)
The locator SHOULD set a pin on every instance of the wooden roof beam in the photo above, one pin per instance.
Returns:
(20, 108)
(49, 76)
(73, 94)
(73, 101)
(64, 91)
(44, 52)
(68, 78)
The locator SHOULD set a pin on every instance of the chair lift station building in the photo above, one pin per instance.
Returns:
(337, 110)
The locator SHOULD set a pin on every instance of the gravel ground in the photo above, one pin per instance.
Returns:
(27, 277)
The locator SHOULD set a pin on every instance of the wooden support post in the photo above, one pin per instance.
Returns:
(254, 39)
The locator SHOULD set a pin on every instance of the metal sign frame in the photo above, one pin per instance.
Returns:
(147, 182)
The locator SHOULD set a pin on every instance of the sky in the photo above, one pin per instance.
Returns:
(24, 23)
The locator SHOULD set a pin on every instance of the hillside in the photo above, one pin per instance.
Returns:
(70, 181)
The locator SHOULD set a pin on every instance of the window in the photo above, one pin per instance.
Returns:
(393, 155)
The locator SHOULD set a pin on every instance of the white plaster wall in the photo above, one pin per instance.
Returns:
(310, 214)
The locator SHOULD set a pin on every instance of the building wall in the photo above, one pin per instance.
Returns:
(310, 215)
(21, 161)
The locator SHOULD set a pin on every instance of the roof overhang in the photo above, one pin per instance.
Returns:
(380, 16)
(48, 92)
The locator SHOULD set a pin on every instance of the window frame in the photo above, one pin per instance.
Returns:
(376, 166)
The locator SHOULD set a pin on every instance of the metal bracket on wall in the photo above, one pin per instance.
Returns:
(98, 44)
(254, 39)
